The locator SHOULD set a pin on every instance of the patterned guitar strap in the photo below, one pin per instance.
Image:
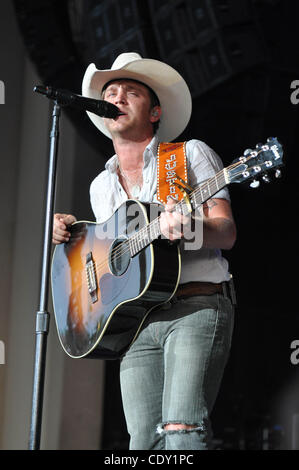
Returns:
(172, 177)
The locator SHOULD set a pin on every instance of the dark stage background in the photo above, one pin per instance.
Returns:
(239, 58)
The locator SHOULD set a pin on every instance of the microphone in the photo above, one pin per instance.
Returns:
(66, 98)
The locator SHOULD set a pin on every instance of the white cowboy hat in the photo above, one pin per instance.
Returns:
(166, 82)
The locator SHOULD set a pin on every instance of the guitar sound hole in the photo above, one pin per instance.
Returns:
(119, 257)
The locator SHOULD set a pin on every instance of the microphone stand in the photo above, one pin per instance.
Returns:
(42, 315)
(103, 108)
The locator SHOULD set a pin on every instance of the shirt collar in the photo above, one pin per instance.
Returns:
(149, 152)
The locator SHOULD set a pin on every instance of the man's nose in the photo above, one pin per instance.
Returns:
(120, 97)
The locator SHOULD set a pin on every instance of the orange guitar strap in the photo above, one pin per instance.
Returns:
(171, 163)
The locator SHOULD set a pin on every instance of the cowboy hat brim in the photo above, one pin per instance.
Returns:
(166, 82)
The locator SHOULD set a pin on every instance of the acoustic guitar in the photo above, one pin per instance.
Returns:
(108, 277)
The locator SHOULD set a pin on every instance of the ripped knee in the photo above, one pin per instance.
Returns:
(179, 427)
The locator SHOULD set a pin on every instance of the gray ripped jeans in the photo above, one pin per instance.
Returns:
(173, 370)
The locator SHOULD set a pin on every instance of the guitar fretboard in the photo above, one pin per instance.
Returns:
(139, 240)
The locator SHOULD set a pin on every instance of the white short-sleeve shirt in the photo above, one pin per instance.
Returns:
(107, 195)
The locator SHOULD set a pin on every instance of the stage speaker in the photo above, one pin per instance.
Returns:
(209, 41)
(113, 27)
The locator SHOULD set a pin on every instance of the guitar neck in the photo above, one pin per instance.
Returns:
(201, 194)
(204, 191)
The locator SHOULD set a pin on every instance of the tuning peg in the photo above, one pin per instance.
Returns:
(266, 178)
(277, 173)
(270, 139)
(254, 184)
(247, 151)
(259, 145)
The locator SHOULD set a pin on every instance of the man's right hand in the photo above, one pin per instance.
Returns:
(60, 228)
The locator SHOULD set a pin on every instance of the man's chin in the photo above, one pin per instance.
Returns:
(118, 127)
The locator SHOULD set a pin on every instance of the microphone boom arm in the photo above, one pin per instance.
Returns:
(66, 98)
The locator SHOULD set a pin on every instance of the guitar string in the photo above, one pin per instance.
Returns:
(118, 251)
(137, 237)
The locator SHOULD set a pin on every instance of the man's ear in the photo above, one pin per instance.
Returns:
(155, 114)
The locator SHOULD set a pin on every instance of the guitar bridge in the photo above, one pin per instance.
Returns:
(91, 277)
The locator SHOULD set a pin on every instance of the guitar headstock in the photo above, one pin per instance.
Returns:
(257, 163)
